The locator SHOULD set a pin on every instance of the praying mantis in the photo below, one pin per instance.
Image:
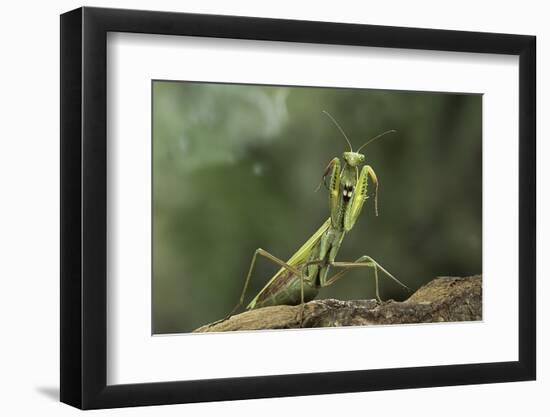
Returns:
(300, 278)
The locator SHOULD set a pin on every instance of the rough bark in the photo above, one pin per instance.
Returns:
(445, 299)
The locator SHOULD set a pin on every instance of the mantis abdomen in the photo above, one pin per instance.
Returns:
(286, 290)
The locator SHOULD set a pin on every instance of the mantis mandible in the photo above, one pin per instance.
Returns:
(299, 279)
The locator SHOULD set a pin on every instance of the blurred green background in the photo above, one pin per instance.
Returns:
(235, 167)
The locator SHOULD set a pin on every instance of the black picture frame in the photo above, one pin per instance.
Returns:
(84, 207)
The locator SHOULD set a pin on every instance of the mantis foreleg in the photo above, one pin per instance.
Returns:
(360, 196)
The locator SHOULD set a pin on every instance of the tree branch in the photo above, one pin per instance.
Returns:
(444, 299)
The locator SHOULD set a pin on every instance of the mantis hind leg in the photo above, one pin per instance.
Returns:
(273, 259)
(362, 262)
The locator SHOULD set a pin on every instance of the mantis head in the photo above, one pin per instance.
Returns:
(353, 159)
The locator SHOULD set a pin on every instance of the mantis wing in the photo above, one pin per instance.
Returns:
(300, 256)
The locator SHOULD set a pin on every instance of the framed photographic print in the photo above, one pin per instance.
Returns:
(235, 189)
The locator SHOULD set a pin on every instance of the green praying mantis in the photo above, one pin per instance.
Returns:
(300, 278)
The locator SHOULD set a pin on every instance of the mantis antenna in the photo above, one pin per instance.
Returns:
(339, 128)
(376, 137)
